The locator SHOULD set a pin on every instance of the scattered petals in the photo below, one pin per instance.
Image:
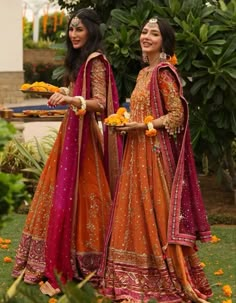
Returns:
(227, 290)
(202, 264)
(7, 259)
(215, 239)
(219, 272)
(7, 241)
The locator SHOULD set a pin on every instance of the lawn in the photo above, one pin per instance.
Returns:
(217, 257)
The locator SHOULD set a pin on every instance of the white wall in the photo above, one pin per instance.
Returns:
(11, 49)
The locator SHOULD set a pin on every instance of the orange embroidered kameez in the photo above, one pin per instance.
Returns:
(139, 264)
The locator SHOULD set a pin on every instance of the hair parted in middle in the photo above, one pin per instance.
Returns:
(76, 57)
(167, 34)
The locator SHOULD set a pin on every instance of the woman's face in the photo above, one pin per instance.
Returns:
(78, 33)
(151, 39)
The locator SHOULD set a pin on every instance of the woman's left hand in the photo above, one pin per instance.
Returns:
(59, 99)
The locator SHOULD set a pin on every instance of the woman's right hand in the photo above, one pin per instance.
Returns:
(59, 99)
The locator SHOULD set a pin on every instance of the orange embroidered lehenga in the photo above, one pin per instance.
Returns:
(65, 228)
(139, 262)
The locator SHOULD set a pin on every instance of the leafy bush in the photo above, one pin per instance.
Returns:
(40, 72)
(27, 158)
(7, 131)
(13, 191)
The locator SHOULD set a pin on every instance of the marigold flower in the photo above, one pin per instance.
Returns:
(148, 119)
(119, 118)
(7, 259)
(80, 112)
(219, 272)
(40, 87)
(121, 110)
(173, 60)
(227, 290)
(7, 241)
(151, 132)
(4, 246)
(227, 301)
(52, 300)
(215, 239)
(202, 264)
(1, 240)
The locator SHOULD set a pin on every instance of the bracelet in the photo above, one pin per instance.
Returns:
(65, 91)
(82, 110)
(151, 131)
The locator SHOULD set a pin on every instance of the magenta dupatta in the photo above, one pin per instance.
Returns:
(60, 254)
(187, 216)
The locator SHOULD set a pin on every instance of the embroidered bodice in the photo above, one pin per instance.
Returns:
(140, 99)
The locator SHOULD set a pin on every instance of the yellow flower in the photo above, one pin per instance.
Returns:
(227, 301)
(40, 87)
(121, 111)
(148, 119)
(227, 290)
(215, 239)
(202, 264)
(119, 118)
(219, 272)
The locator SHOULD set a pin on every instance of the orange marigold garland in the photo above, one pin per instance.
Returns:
(151, 131)
(82, 110)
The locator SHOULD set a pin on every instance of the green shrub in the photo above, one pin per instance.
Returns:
(40, 72)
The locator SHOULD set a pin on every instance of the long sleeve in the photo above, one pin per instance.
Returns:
(173, 120)
(98, 82)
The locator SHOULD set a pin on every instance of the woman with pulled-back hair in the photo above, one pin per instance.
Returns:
(158, 212)
(67, 221)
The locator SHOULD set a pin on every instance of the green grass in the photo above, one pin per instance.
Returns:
(215, 256)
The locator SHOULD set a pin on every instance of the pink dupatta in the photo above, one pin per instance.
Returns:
(60, 254)
(187, 220)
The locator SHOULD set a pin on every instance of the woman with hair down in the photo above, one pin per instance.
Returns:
(66, 225)
(158, 212)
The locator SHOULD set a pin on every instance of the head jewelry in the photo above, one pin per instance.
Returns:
(152, 22)
(75, 21)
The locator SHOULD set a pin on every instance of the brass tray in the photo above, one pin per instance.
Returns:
(45, 94)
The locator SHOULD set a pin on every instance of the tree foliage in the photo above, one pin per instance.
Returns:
(206, 47)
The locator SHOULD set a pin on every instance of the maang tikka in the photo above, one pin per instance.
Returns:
(152, 22)
(75, 21)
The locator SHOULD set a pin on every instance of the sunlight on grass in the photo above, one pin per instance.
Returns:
(217, 257)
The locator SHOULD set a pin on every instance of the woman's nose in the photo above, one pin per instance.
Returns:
(73, 32)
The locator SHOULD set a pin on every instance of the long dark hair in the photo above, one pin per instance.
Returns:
(76, 57)
(168, 35)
